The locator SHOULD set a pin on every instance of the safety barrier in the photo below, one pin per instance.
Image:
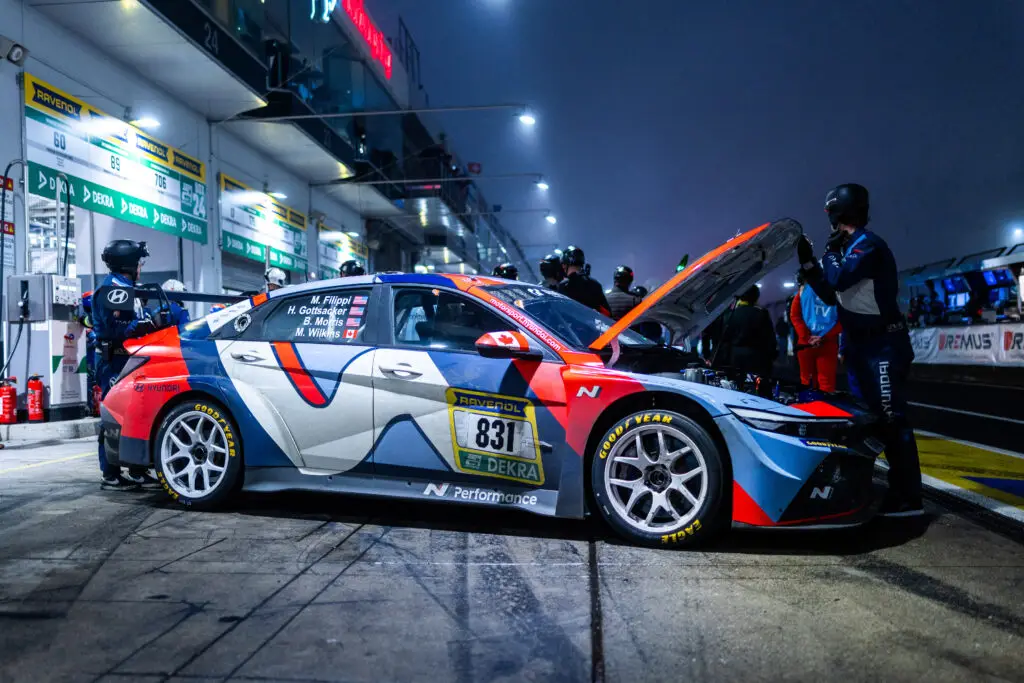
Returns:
(973, 345)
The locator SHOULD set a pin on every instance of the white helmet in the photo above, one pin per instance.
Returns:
(173, 285)
(275, 276)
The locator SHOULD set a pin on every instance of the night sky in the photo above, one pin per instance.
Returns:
(668, 130)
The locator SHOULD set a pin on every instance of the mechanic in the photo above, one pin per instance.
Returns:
(112, 327)
(858, 273)
(85, 319)
(177, 314)
(577, 285)
(506, 271)
(817, 335)
(748, 337)
(551, 271)
(275, 279)
(622, 299)
(351, 268)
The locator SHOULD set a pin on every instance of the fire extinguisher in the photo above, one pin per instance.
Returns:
(35, 398)
(97, 399)
(8, 401)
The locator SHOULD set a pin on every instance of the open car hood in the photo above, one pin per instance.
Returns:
(694, 297)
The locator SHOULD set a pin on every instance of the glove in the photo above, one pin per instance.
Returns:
(805, 250)
(836, 242)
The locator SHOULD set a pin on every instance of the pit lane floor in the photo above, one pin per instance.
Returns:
(98, 586)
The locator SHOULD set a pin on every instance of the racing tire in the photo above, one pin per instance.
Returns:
(197, 455)
(659, 480)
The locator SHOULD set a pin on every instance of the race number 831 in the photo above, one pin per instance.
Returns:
(495, 436)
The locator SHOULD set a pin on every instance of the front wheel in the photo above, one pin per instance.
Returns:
(198, 457)
(658, 480)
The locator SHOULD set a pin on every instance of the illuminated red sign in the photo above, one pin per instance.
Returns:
(373, 36)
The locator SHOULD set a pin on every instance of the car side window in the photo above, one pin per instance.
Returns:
(320, 317)
(438, 319)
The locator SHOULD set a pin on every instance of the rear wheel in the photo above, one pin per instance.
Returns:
(198, 458)
(658, 480)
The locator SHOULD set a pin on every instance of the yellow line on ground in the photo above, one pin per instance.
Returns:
(953, 462)
(19, 468)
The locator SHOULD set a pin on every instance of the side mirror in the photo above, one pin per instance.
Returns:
(507, 345)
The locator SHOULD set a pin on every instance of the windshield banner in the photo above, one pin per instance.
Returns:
(973, 345)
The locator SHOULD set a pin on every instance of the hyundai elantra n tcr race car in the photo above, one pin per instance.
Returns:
(492, 392)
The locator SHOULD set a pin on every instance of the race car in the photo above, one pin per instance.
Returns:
(476, 390)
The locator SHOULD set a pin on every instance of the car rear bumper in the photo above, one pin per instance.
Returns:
(120, 449)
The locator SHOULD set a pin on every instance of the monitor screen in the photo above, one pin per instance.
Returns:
(948, 285)
(990, 278)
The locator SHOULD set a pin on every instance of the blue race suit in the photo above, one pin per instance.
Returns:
(111, 329)
(175, 315)
(862, 281)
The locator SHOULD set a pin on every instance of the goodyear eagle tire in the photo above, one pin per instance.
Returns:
(658, 480)
(197, 455)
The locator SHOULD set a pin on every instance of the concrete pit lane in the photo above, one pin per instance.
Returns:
(117, 586)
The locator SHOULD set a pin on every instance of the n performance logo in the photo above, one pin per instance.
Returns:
(479, 495)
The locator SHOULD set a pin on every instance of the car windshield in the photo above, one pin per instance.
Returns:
(572, 322)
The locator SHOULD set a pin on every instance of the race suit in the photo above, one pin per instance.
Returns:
(587, 291)
(621, 302)
(112, 327)
(861, 280)
(175, 315)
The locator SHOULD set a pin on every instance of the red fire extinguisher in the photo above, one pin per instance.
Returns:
(97, 399)
(8, 401)
(35, 398)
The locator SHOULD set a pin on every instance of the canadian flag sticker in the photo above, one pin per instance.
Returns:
(351, 334)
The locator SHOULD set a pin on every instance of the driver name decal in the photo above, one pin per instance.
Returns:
(495, 436)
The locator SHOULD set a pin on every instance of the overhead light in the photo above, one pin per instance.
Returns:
(1018, 232)
(551, 219)
(352, 233)
(527, 119)
(146, 123)
(541, 185)
(278, 195)
(789, 285)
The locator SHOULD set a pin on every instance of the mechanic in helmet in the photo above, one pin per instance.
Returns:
(579, 286)
(275, 279)
(352, 268)
(113, 322)
(85, 319)
(551, 271)
(177, 314)
(858, 274)
(506, 271)
(622, 299)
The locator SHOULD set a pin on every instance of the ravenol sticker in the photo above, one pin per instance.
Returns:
(495, 436)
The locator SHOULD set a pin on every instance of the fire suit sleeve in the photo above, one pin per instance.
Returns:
(803, 333)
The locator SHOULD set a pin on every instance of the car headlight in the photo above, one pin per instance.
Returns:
(791, 425)
(133, 364)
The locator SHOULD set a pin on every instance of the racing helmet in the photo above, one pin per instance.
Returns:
(847, 204)
(573, 256)
(276, 277)
(623, 276)
(124, 256)
(173, 285)
(87, 302)
(351, 268)
(217, 307)
(551, 267)
(506, 271)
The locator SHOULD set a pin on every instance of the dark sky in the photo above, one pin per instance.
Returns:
(665, 126)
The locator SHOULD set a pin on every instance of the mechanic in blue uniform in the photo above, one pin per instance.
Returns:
(858, 273)
(176, 314)
(112, 327)
(85, 318)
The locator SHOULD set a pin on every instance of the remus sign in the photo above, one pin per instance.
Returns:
(112, 167)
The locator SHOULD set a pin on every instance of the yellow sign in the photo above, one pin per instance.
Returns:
(74, 112)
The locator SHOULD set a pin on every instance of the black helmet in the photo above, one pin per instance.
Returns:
(623, 276)
(352, 267)
(639, 291)
(847, 204)
(551, 267)
(507, 271)
(573, 256)
(586, 269)
(124, 256)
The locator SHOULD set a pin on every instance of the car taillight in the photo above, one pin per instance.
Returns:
(133, 364)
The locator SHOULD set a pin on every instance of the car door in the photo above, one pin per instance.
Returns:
(303, 367)
(443, 411)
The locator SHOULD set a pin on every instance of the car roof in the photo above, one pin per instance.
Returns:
(462, 282)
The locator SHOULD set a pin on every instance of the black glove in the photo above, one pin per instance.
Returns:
(836, 242)
(805, 250)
